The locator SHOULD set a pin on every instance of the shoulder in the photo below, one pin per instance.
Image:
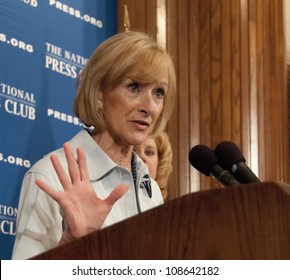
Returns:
(44, 164)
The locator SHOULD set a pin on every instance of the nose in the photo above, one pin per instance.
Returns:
(147, 104)
(143, 157)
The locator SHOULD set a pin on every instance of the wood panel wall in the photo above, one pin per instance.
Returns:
(288, 89)
(231, 67)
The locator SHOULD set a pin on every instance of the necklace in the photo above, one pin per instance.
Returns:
(134, 174)
(134, 171)
(145, 181)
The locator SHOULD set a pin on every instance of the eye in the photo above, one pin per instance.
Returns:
(134, 87)
(159, 93)
(149, 153)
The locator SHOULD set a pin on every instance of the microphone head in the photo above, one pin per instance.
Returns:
(202, 158)
(228, 154)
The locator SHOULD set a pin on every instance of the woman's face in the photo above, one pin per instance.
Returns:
(132, 109)
(148, 152)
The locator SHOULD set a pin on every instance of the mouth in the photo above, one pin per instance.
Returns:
(141, 125)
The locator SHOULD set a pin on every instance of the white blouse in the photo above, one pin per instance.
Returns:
(40, 222)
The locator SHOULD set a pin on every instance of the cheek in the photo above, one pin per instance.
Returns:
(116, 110)
(153, 166)
(160, 109)
(156, 163)
(158, 112)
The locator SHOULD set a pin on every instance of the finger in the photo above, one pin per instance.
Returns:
(116, 194)
(61, 173)
(72, 163)
(83, 167)
(47, 189)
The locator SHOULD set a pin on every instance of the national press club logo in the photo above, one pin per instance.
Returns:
(20, 103)
(17, 101)
(77, 14)
(62, 61)
(65, 63)
(67, 10)
(15, 42)
(8, 216)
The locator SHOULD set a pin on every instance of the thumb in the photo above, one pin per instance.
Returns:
(116, 194)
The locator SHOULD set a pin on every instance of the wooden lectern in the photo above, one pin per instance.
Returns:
(243, 222)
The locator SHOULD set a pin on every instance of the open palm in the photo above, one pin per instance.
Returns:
(84, 212)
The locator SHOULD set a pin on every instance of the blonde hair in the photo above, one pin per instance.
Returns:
(122, 55)
(164, 168)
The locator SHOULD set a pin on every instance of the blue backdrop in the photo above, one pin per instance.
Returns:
(43, 46)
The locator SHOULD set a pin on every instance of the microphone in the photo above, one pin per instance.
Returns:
(204, 160)
(230, 158)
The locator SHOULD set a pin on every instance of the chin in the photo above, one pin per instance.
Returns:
(138, 140)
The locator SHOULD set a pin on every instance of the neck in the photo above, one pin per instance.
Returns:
(119, 152)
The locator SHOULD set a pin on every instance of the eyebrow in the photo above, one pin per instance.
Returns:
(139, 80)
(152, 147)
(161, 83)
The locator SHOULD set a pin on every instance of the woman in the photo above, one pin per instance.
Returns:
(156, 152)
(125, 92)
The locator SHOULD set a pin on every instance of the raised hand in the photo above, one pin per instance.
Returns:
(84, 212)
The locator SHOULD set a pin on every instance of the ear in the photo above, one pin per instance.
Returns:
(100, 100)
